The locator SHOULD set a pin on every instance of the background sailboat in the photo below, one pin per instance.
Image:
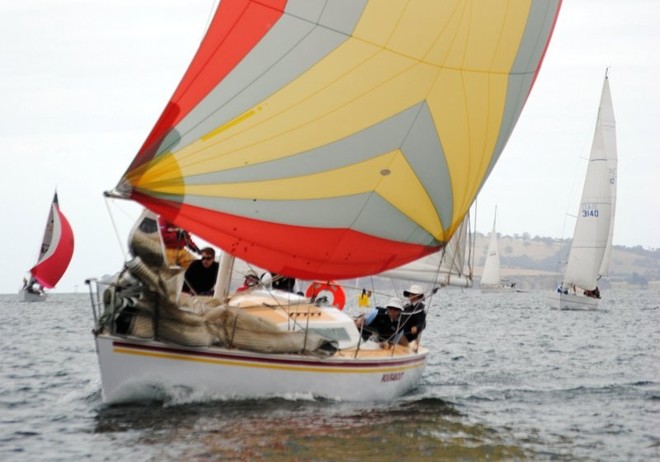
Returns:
(54, 256)
(589, 256)
(491, 278)
(322, 141)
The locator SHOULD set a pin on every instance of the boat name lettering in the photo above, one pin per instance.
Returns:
(392, 377)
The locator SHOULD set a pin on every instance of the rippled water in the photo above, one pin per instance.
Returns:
(507, 379)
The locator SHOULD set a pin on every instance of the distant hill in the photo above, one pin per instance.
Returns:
(534, 262)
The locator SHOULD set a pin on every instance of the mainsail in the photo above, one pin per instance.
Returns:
(334, 139)
(592, 238)
(56, 248)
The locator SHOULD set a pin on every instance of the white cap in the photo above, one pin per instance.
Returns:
(394, 303)
(414, 290)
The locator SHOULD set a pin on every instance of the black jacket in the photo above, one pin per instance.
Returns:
(414, 315)
(382, 327)
(200, 280)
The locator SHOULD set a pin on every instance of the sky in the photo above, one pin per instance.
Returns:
(83, 83)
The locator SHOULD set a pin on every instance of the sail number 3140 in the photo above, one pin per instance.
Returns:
(589, 210)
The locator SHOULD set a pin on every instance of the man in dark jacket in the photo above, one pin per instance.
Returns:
(384, 324)
(201, 275)
(414, 313)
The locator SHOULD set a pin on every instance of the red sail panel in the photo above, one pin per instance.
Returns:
(292, 250)
(238, 25)
(50, 270)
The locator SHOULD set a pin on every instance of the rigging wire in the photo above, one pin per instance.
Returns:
(115, 227)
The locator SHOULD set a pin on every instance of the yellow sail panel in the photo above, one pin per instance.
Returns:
(388, 175)
(418, 29)
(164, 170)
(470, 130)
(391, 21)
(326, 184)
(301, 117)
(403, 189)
(484, 37)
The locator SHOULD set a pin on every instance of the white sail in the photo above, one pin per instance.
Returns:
(593, 229)
(491, 272)
(451, 266)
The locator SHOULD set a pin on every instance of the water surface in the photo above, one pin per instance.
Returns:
(507, 379)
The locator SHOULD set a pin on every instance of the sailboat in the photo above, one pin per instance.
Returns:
(491, 280)
(589, 256)
(54, 256)
(322, 141)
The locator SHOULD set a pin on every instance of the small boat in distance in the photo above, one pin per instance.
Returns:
(54, 256)
(491, 279)
(589, 256)
(321, 141)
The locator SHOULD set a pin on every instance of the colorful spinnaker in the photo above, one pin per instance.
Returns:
(334, 139)
(56, 249)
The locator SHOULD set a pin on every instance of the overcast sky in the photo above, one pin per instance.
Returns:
(83, 82)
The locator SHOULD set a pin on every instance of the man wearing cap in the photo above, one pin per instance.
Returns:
(383, 323)
(414, 314)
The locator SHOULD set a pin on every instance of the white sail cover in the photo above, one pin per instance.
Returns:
(593, 229)
(491, 273)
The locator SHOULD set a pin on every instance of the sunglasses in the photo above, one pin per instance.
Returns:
(206, 258)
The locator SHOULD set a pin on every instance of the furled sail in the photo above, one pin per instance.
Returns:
(56, 248)
(334, 139)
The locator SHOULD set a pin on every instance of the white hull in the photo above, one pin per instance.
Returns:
(569, 301)
(25, 296)
(132, 369)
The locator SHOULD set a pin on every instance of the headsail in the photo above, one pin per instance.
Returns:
(337, 139)
(56, 248)
(605, 140)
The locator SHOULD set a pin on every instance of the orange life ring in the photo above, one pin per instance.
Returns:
(338, 295)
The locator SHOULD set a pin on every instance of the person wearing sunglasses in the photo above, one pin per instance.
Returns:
(201, 275)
